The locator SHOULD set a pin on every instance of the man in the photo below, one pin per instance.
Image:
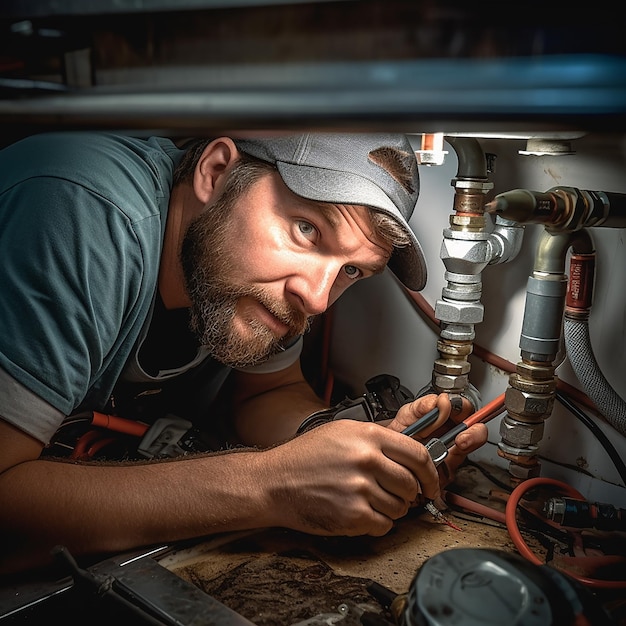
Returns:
(128, 265)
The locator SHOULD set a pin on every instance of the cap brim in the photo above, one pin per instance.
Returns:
(407, 263)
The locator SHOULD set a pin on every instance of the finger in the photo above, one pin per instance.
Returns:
(429, 482)
(412, 411)
(413, 456)
(423, 404)
(472, 438)
(391, 505)
(400, 482)
(443, 404)
(465, 443)
(394, 487)
(452, 408)
(379, 501)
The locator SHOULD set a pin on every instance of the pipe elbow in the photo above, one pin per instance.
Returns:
(505, 240)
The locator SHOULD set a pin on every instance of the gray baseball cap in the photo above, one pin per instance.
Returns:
(346, 169)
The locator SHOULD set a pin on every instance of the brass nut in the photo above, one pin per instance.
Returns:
(455, 368)
(533, 371)
(524, 472)
(454, 348)
(520, 434)
(449, 383)
(522, 456)
(470, 202)
(544, 386)
(525, 404)
(467, 221)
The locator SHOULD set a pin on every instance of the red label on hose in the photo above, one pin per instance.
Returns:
(580, 285)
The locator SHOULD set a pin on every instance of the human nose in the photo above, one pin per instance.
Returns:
(314, 286)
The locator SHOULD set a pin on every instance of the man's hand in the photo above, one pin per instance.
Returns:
(449, 415)
(348, 477)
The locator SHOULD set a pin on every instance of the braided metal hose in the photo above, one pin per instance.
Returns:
(589, 374)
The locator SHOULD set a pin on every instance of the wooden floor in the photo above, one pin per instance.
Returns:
(278, 576)
(392, 560)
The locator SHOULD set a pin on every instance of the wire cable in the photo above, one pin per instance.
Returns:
(516, 536)
(597, 432)
(477, 508)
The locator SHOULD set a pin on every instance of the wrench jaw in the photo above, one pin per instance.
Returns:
(437, 450)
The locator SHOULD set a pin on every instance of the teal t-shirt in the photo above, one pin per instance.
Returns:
(82, 217)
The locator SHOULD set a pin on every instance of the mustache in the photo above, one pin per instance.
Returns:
(296, 320)
(227, 293)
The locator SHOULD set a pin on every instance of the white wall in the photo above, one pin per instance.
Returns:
(378, 330)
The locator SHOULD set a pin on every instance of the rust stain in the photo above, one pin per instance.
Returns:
(552, 174)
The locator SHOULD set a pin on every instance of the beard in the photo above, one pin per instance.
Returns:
(207, 258)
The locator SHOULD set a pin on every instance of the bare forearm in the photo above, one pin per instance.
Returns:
(269, 408)
(96, 508)
(342, 478)
(274, 416)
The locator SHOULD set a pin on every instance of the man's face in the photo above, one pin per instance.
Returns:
(260, 264)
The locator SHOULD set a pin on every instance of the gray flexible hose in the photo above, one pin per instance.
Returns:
(587, 370)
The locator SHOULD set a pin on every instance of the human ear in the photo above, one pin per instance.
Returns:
(212, 166)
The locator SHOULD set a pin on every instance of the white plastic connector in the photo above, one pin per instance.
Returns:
(432, 152)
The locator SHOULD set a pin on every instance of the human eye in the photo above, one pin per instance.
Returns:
(352, 272)
(307, 229)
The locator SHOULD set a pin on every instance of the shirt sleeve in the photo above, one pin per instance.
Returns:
(81, 225)
(25, 410)
(63, 303)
